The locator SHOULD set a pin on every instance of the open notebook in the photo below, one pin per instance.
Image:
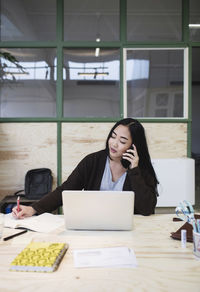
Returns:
(45, 222)
(98, 210)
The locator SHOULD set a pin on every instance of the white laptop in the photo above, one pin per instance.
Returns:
(98, 210)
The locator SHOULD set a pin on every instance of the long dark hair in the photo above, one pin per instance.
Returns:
(139, 140)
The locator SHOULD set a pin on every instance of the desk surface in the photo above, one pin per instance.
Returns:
(162, 264)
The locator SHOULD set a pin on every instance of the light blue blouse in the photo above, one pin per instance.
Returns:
(107, 184)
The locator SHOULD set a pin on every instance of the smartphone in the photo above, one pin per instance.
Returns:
(125, 163)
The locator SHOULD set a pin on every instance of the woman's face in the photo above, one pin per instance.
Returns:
(119, 142)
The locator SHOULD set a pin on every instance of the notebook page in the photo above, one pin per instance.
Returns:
(45, 222)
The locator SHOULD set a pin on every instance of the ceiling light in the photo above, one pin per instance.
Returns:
(95, 73)
(195, 25)
(16, 73)
(97, 52)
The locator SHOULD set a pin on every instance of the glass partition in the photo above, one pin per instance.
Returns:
(154, 82)
(194, 25)
(28, 82)
(91, 20)
(154, 20)
(91, 82)
(31, 20)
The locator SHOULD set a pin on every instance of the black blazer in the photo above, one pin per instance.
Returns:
(88, 175)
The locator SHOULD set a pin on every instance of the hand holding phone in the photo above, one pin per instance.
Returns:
(126, 163)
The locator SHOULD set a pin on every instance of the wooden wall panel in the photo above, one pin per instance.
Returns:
(165, 140)
(80, 139)
(24, 146)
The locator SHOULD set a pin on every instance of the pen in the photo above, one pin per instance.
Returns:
(16, 234)
(18, 199)
(183, 238)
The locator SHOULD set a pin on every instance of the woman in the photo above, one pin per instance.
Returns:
(123, 165)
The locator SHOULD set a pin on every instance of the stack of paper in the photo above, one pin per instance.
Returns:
(122, 257)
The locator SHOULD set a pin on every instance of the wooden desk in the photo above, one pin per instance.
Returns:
(162, 264)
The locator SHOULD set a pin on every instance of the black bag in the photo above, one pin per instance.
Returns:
(38, 182)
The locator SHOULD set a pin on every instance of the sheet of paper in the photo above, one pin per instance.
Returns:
(45, 222)
(121, 257)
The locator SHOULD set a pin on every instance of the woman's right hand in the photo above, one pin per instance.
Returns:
(25, 211)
